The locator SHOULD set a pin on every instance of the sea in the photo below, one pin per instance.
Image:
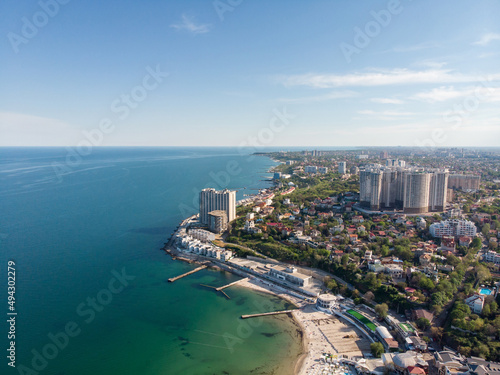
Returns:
(83, 232)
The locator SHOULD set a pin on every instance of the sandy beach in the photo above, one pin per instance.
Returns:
(321, 332)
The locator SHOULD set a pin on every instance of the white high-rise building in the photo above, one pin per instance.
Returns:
(342, 167)
(415, 190)
(213, 200)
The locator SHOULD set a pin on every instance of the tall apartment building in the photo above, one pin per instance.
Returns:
(464, 181)
(453, 228)
(412, 190)
(342, 167)
(214, 200)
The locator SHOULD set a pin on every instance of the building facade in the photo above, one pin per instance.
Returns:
(464, 181)
(214, 200)
(409, 189)
(217, 221)
(454, 228)
(342, 167)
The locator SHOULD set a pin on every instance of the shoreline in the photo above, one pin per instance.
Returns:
(257, 286)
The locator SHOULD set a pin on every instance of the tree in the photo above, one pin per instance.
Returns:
(377, 349)
(476, 243)
(423, 323)
(482, 273)
(369, 296)
(486, 310)
(344, 259)
(437, 333)
(486, 230)
(381, 310)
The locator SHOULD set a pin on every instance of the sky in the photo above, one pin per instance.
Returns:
(257, 73)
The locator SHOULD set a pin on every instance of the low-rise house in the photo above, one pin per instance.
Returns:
(421, 313)
(465, 241)
(492, 257)
(448, 243)
(476, 303)
(358, 219)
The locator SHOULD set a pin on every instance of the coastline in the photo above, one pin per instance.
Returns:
(257, 286)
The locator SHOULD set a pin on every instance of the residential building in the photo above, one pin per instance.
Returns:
(492, 256)
(414, 190)
(464, 181)
(342, 167)
(217, 221)
(213, 200)
(311, 169)
(453, 228)
(476, 303)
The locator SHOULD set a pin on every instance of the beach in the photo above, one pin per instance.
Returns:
(321, 332)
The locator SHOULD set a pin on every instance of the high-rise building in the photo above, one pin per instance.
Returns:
(384, 154)
(213, 200)
(416, 192)
(464, 181)
(410, 189)
(342, 167)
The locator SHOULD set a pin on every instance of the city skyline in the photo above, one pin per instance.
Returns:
(222, 74)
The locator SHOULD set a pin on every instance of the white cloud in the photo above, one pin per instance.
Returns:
(321, 98)
(26, 130)
(487, 38)
(378, 78)
(386, 101)
(385, 113)
(416, 47)
(188, 24)
(445, 93)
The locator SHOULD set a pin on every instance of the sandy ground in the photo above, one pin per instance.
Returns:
(322, 333)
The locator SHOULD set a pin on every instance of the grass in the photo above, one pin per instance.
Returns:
(406, 327)
(362, 319)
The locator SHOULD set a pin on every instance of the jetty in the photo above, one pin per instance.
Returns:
(228, 285)
(267, 313)
(172, 279)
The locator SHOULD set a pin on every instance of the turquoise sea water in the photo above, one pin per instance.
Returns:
(72, 224)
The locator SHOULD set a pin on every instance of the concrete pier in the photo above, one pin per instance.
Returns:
(268, 313)
(172, 279)
(228, 285)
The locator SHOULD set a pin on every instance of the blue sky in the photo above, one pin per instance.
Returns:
(233, 72)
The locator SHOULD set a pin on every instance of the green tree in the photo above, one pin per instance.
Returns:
(476, 243)
(377, 349)
(486, 230)
(423, 323)
(381, 310)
